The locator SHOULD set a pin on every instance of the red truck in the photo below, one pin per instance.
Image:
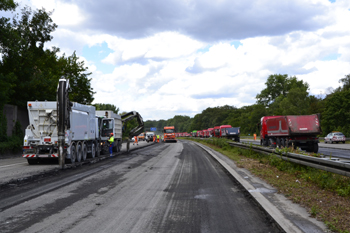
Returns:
(216, 131)
(299, 131)
(204, 133)
(211, 132)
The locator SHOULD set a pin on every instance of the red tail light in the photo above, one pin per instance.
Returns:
(47, 139)
(27, 147)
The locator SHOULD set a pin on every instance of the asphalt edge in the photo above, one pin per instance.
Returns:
(283, 223)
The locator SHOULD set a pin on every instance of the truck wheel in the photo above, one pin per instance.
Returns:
(278, 142)
(73, 154)
(270, 143)
(84, 152)
(316, 148)
(343, 142)
(120, 146)
(93, 150)
(283, 142)
(98, 149)
(32, 161)
(79, 153)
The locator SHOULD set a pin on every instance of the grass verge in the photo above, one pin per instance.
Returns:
(325, 195)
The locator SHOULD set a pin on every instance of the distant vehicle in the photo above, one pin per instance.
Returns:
(141, 137)
(169, 134)
(335, 137)
(211, 132)
(149, 136)
(297, 131)
(231, 133)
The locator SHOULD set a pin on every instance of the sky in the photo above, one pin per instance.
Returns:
(179, 57)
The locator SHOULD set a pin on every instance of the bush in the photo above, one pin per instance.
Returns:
(14, 143)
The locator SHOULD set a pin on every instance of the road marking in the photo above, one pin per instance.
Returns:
(12, 165)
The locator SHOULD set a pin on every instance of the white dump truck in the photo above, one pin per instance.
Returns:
(81, 137)
(110, 123)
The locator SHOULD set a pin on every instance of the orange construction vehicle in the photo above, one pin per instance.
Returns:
(169, 134)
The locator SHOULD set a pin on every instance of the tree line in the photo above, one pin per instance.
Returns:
(29, 70)
(282, 95)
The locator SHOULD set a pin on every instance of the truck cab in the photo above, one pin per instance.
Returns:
(169, 134)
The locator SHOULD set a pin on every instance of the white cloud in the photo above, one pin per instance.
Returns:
(163, 67)
(64, 14)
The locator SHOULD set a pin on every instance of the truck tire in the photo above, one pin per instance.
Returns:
(84, 152)
(315, 148)
(32, 161)
(278, 142)
(73, 154)
(270, 143)
(98, 149)
(283, 142)
(79, 152)
(93, 150)
(120, 146)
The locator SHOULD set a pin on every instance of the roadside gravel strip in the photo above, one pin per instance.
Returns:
(289, 216)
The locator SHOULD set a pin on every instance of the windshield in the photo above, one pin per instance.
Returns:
(339, 134)
(168, 131)
(107, 127)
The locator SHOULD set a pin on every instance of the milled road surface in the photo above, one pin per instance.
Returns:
(173, 187)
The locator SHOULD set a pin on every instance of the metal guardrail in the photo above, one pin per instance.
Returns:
(334, 165)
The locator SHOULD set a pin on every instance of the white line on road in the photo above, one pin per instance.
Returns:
(12, 165)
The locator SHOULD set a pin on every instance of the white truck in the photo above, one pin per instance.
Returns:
(110, 123)
(81, 136)
(149, 136)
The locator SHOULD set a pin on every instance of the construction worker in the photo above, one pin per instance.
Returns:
(157, 138)
(154, 137)
(135, 141)
(111, 144)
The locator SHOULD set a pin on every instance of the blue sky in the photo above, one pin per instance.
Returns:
(96, 54)
(179, 57)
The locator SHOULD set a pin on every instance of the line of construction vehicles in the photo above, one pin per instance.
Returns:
(79, 131)
(275, 131)
(83, 131)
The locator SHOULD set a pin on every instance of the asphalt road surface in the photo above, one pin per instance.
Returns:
(173, 187)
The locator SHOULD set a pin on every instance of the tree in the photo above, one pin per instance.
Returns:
(279, 85)
(337, 112)
(346, 83)
(35, 71)
(110, 107)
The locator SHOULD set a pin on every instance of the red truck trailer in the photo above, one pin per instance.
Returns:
(216, 131)
(205, 133)
(222, 127)
(299, 131)
(211, 132)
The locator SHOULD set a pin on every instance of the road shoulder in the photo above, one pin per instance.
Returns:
(290, 217)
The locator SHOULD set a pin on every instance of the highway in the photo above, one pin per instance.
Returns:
(173, 187)
(334, 150)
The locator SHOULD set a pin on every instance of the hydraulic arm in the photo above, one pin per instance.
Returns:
(130, 116)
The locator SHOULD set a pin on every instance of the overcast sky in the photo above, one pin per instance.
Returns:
(178, 57)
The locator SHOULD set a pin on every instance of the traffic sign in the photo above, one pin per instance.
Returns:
(153, 129)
